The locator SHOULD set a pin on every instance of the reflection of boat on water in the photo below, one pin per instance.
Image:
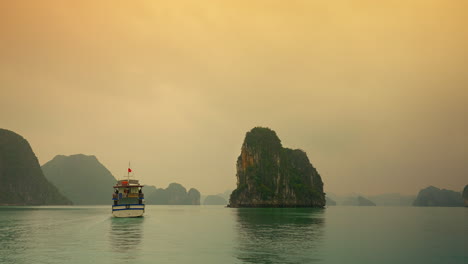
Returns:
(279, 235)
(126, 234)
(128, 198)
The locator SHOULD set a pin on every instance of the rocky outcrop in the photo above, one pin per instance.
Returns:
(214, 200)
(432, 196)
(21, 177)
(194, 196)
(174, 194)
(269, 175)
(177, 194)
(465, 195)
(82, 178)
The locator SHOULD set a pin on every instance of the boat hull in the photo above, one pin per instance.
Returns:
(128, 210)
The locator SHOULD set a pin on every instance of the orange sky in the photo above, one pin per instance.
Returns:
(375, 92)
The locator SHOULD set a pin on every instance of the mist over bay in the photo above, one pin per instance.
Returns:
(262, 131)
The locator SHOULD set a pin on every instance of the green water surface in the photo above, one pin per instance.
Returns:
(214, 234)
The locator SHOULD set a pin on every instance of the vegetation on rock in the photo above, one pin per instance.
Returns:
(269, 175)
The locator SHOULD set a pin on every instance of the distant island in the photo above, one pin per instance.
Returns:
(269, 175)
(384, 199)
(86, 181)
(433, 196)
(82, 178)
(330, 201)
(21, 177)
(365, 202)
(214, 200)
(174, 194)
(358, 201)
(392, 199)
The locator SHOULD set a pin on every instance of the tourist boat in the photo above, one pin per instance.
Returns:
(128, 198)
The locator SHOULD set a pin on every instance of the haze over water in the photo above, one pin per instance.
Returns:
(214, 234)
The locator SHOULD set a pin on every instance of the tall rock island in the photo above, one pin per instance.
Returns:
(21, 177)
(269, 175)
(82, 178)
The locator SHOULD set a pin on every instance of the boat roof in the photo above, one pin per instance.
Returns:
(128, 183)
(126, 186)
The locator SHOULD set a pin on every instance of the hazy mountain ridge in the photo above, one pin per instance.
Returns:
(269, 175)
(88, 182)
(224, 195)
(82, 178)
(385, 199)
(174, 194)
(433, 196)
(214, 200)
(23, 182)
(329, 201)
(392, 199)
(357, 201)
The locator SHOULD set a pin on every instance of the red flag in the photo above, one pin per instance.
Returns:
(129, 170)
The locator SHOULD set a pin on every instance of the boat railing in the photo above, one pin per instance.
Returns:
(129, 195)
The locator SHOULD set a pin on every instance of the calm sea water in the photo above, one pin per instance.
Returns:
(214, 234)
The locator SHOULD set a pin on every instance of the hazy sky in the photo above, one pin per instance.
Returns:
(376, 92)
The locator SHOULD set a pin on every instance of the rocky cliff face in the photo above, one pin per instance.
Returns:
(21, 177)
(82, 178)
(432, 196)
(465, 195)
(174, 194)
(269, 175)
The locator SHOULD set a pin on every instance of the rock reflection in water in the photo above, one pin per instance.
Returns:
(126, 235)
(279, 235)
